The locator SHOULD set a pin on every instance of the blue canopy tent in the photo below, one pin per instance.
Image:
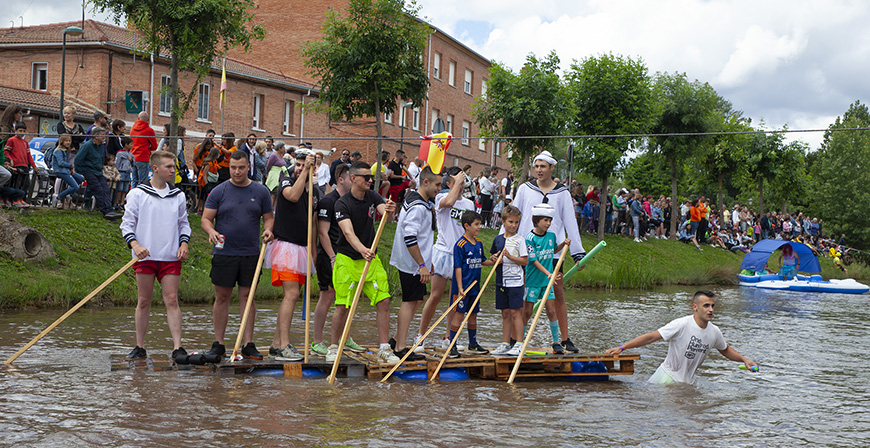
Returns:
(756, 260)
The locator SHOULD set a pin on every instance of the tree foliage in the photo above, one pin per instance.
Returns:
(368, 60)
(726, 153)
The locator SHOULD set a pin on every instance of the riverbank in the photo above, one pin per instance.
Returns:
(90, 249)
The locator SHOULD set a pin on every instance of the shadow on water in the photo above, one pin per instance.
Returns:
(811, 390)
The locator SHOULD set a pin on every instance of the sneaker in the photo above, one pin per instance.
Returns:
(421, 346)
(136, 353)
(274, 352)
(180, 351)
(454, 353)
(289, 354)
(392, 344)
(569, 346)
(412, 357)
(477, 349)
(386, 355)
(332, 353)
(217, 349)
(319, 348)
(445, 343)
(515, 350)
(501, 349)
(18, 204)
(250, 351)
(637, 240)
(353, 346)
(557, 349)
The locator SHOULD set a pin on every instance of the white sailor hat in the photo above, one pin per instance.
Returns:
(545, 210)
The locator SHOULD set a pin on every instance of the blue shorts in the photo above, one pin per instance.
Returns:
(788, 270)
(466, 302)
(508, 297)
(535, 293)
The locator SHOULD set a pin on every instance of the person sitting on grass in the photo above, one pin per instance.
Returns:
(467, 262)
(689, 340)
(510, 281)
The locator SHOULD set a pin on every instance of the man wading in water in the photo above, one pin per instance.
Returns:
(689, 340)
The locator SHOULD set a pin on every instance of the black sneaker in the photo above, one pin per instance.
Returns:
(453, 352)
(273, 352)
(180, 351)
(413, 357)
(392, 344)
(217, 349)
(557, 349)
(570, 346)
(137, 353)
(477, 349)
(250, 351)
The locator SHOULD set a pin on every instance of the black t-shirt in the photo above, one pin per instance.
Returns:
(291, 217)
(326, 212)
(397, 171)
(362, 216)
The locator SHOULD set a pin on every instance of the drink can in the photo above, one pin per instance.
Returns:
(220, 243)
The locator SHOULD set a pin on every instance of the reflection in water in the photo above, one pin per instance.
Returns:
(811, 390)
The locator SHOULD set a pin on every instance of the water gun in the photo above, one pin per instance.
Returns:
(576, 266)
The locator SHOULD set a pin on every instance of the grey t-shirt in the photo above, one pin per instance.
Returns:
(239, 210)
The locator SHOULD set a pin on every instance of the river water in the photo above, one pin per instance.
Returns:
(812, 389)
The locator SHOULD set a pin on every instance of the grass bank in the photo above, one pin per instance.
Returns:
(90, 249)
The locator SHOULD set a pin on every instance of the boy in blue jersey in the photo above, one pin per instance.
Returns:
(467, 262)
(541, 246)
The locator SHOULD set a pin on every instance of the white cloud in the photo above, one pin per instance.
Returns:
(760, 51)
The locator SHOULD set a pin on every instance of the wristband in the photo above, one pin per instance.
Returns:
(421, 265)
(621, 349)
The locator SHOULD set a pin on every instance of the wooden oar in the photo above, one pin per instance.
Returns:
(353, 304)
(431, 328)
(248, 305)
(308, 260)
(467, 315)
(556, 270)
(72, 310)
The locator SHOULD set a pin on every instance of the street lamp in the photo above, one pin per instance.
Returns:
(404, 122)
(73, 31)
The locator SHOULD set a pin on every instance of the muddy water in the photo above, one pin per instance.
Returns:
(812, 389)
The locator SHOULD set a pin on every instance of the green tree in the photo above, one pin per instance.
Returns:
(790, 182)
(195, 33)
(649, 173)
(726, 154)
(533, 102)
(840, 179)
(612, 96)
(686, 108)
(762, 159)
(368, 60)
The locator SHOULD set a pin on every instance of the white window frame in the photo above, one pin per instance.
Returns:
(388, 117)
(448, 125)
(258, 106)
(469, 78)
(435, 114)
(483, 87)
(481, 144)
(466, 133)
(287, 125)
(35, 78)
(496, 148)
(415, 119)
(165, 98)
(203, 102)
(436, 66)
(451, 75)
(403, 118)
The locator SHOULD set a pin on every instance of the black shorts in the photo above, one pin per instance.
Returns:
(412, 289)
(323, 266)
(228, 270)
(509, 297)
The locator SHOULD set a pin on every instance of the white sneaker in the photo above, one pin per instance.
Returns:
(445, 343)
(420, 348)
(501, 349)
(515, 350)
(637, 240)
(290, 354)
(332, 353)
(386, 355)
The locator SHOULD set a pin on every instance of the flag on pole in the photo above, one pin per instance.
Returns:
(433, 150)
(223, 84)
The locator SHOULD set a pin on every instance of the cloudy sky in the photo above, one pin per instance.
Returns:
(798, 63)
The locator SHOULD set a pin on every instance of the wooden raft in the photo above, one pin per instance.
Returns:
(348, 368)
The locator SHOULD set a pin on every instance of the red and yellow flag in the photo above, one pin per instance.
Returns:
(433, 150)
(223, 84)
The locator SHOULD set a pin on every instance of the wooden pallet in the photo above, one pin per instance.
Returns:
(553, 366)
(348, 367)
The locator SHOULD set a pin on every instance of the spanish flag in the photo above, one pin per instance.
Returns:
(223, 84)
(433, 149)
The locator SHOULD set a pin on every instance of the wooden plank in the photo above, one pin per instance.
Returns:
(293, 370)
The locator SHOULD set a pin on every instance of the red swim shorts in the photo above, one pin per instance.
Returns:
(158, 268)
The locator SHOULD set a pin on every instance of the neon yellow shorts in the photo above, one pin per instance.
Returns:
(346, 275)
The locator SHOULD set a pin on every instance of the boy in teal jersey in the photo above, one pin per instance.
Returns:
(541, 247)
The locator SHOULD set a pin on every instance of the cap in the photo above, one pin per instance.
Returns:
(545, 210)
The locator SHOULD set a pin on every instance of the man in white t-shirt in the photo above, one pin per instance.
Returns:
(689, 340)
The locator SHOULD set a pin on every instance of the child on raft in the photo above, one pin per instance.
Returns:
(789, 261)
(509, 281)
(541, 245)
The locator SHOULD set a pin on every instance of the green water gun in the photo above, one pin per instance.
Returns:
(577, 266)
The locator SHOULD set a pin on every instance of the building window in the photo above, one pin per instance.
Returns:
(451, 76)
(165, 97)
(415, 122)
(403, 120)
(436, 66)
(496, 149)
(466, 132)
(449, 124)
(481, 144)
(203, 103)
(483, 88)
(39, 76)
(258, 112)
(435, 114)
(388, 117)
(289, 108)
(469, 75)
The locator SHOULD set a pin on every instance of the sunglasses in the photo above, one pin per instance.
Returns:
(367, 177)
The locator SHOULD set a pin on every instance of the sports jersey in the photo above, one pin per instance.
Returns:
(157, 220)
(361, 213)
(564, 222)
(326, 212)
(468, 256)
(291, 217)
(541, 249)
(448, 221)
(508, 273)
(688, 345)
(415, 228)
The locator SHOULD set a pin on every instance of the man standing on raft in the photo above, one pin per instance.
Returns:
(544, 190)
(689, 340)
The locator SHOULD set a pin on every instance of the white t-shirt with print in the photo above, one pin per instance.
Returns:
(448, 221)
(688, 345)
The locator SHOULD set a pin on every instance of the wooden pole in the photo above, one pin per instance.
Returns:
(537, 315)
(464, 321)
(248, 305)
(431, 327)
(308, 260)
(356, 295)
(72, 310)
